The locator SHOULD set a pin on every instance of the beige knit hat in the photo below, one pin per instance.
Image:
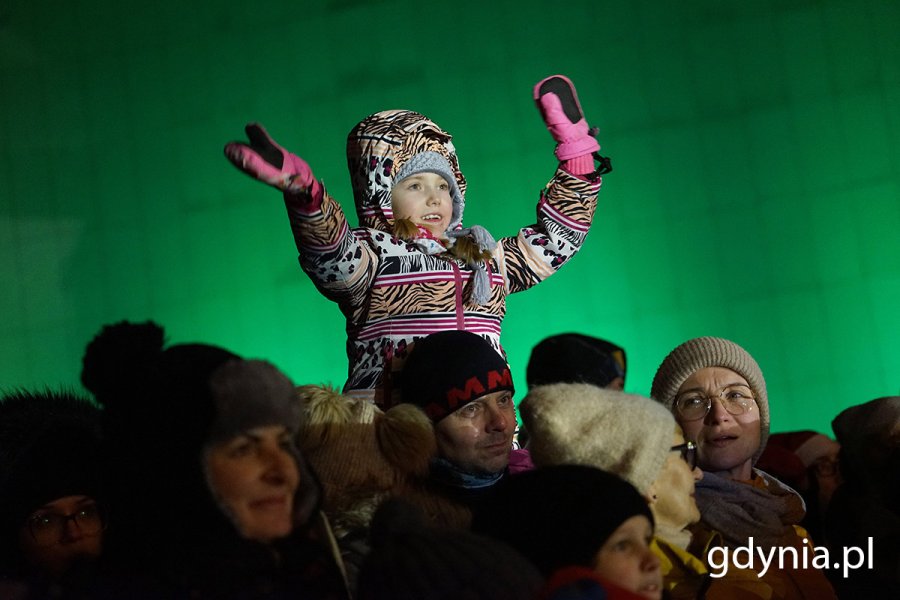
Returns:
(578, 423)
(700, 353)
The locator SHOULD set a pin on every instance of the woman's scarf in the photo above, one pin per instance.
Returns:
(740, 510)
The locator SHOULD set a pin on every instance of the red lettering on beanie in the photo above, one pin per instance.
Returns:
(497, 379)
(473, 388)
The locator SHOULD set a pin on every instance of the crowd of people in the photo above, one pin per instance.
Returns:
(189, 471)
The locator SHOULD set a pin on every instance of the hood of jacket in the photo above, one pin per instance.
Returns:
(378, 147)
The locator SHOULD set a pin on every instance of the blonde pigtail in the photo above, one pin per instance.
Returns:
(468, 250)
(405, 229)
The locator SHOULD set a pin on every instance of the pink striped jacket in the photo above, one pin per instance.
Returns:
(393, 292)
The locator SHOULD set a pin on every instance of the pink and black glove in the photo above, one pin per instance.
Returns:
(265, 160)
(576, 147)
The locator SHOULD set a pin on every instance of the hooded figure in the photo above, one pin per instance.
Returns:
(397, 280)
(49, 477)
(180, 521)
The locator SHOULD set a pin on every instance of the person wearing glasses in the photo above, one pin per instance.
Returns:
(635, 438)
(808, 462)
(717, 393)
(51, 513)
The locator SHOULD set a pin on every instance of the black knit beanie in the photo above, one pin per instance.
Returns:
(559, 516)
(449, 369)
(575, 358)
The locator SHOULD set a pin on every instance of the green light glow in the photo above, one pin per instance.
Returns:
(754, 197)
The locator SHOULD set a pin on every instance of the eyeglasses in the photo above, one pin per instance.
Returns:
(736, 399)
(47, 528)
(688, 452)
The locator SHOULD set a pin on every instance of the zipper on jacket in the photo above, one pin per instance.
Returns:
(460, 315)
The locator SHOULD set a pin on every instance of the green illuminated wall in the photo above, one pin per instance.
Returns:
(755, 193)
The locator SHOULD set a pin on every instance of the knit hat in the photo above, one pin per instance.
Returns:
(249, 394)
(575, 358)
(411, 561)
(49, 449)
(700, 353)
(448, 369)
(559, 516)
(433, 162)
(579, 423)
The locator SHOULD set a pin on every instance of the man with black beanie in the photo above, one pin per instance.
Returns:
(466, 389)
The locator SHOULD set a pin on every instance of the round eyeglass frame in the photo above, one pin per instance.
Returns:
(727, 405)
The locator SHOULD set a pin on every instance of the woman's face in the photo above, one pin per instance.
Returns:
(673, 491)
(254, 476)
(725, 442)
(61, 533)
(626, 559)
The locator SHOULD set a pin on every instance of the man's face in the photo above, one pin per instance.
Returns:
(477, 437)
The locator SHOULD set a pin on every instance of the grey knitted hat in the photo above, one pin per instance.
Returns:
(700, 353)
(432, 162)
(251, 393)
(579, 423)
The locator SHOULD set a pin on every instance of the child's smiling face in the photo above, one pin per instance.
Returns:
(424, 199)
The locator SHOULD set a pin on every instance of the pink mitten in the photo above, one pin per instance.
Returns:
(265, 160)
(556, 100)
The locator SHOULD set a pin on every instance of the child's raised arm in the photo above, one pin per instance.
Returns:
(566, 206)
(321, 233)
(576, 146)
(265, 160)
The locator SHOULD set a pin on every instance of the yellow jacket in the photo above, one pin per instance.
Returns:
(687, 577)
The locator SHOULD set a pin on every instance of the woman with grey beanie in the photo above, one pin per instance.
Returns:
(717, 393)
(209, 494)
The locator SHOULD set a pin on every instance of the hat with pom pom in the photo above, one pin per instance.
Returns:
(361, 454)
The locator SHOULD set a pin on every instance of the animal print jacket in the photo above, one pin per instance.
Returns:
(393, 292)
